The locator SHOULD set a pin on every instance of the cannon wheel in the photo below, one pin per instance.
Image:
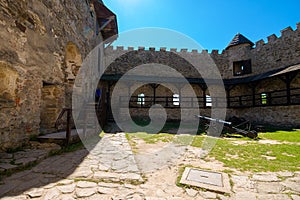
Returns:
(252, 134)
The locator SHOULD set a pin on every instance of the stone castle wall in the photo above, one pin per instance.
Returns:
(42, 42)
(278, 52)
(286, 116)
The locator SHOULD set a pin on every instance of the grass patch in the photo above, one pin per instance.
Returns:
(253, 156)
(182, 139)
(180, 172)
(131, 142)
(198, 141)
(150, 138)
(287, 136)
(101, 135)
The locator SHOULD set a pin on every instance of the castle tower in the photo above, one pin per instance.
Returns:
(239, 55)
(238, 40)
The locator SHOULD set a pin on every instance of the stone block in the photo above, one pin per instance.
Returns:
(213, 181)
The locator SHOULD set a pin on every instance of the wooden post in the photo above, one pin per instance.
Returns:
(240, 101)
(204, 88)
(204, 98)
(287, 79)
(253, 87)
(68, 131)
(129, 84)
(179, 86)
(269, 98)
(154, 95)
(253, 96)
(154, 86)
(167, 103)
(84, 119)
(288, 92)
(108, 106)
(228, 89)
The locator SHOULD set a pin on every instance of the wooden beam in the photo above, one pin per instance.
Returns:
(228, 88)
(154, 86)
(253, 88)
(287, 79)
(203, 88)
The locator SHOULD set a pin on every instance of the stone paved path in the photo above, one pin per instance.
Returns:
(34, 152)
(110, 171)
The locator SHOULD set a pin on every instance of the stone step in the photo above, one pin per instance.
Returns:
(60, 137)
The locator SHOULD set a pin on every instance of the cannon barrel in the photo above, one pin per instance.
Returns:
(212, 119)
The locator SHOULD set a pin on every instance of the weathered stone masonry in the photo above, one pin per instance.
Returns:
(43, 43)
(278, 53)
(42, 46)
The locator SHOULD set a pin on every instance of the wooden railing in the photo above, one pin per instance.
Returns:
(68, 124)
(89, 107)
(273, 98)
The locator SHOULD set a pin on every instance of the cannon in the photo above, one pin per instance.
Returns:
(233, 126)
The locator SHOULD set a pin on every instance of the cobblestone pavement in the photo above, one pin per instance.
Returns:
(31, 154)
(110, 171)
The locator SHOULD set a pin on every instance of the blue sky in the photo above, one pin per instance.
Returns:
(212, 23)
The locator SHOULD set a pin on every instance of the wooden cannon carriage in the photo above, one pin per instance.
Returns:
(233, 126)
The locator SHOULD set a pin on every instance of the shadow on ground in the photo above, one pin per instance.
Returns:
(47, 172)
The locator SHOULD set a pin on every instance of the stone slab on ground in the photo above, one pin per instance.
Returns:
(35, 152)
(209, 180)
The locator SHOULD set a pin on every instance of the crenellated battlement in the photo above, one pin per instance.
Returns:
(285, 33)
(141, 48)
(276, 52)
(120, 49)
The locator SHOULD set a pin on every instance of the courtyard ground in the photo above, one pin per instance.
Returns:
(143, 166)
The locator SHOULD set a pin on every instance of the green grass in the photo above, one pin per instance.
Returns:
(151, 138)
(182, 139)
(252, 156)
(101, 135)
(287, 136)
